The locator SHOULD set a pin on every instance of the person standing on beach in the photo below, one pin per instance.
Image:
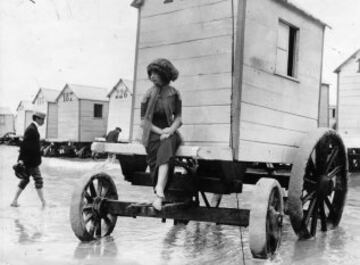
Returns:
(30, 157)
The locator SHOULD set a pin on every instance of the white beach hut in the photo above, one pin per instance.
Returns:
(82, 113)
(120, 100)
(6, 121)
(45, 101)
(24, 113)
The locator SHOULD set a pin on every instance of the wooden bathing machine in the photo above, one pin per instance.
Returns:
(45, 101)
(250, 77)
(24, 113)
(348, 104)
(250, 73)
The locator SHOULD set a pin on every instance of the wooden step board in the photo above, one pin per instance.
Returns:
(199, 152)
(188, 184)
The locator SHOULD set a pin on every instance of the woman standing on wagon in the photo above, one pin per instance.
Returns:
(161, 117)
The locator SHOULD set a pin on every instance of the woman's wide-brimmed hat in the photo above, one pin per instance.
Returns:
(164, 67)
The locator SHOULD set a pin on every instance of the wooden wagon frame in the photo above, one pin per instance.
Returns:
(245, 122)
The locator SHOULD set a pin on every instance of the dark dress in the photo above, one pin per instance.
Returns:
(158, 151)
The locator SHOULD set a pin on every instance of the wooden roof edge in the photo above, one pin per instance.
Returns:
(338, 69)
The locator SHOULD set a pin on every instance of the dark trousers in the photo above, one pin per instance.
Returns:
(35, 173)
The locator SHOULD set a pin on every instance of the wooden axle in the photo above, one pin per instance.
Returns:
(180, 211)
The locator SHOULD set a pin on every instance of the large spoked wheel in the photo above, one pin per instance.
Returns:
(266, 215)
(87, 220)
(318, 183)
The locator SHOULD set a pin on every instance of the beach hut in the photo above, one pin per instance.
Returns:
(24, 112)
(7, 120)
(45, 101)
(348, 104)
(120, 99)
(82, 113)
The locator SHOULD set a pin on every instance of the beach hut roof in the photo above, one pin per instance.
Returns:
(286, 3)
(353, 56)
(50, 95)
(127, 83)
(27, 104)
(86, 92)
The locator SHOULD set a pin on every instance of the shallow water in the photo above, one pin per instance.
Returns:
(31, 235)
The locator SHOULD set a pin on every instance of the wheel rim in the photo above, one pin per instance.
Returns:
(97, 223)
(274, 221)
(324, 187)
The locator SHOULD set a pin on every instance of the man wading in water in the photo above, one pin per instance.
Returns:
(30, 157)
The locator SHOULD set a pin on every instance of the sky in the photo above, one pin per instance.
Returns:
(92, 42)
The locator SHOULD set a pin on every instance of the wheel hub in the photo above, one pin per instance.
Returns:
(325, 186)
(97, 206)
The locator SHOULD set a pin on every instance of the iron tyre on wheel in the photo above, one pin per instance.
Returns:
(87, 221)
(266, 215)
(318, 183)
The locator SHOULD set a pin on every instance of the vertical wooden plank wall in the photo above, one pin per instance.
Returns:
(348, 120)
(197, 37)
(91, 127)
(276, 112)
(6, 124)
(68, 117)
(41, 105)
(119, 112)
(324, 106)
(52, 121)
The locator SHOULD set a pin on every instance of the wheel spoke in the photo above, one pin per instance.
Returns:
(87, 208)
(310, 211)
(92, 189)
(310, 181)
(88, 197)
(323, 217)
(107, 220)
(88, 217)
(334, 172)
(98, 228)
(329, 206)
(311, 165)
(308, 197)
(331, 158)
(99, 187)
(92, 228)
(105, 189)
(314, 220)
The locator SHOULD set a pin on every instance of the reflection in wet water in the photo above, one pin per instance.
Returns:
(24, 236)
(29, 235)
(105, 247)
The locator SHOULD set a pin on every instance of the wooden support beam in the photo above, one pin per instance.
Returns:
(227, 216)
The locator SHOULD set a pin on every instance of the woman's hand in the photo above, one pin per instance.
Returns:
(164, 136)
(167, 130)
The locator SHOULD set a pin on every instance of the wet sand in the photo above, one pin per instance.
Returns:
(32, 235)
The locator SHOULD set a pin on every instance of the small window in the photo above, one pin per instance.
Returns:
(286, 49)
(358, 61)
(98, 108)
(2, 120)
(333, 113)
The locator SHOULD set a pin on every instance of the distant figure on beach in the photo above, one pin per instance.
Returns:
(30, 157)
(113, 136)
